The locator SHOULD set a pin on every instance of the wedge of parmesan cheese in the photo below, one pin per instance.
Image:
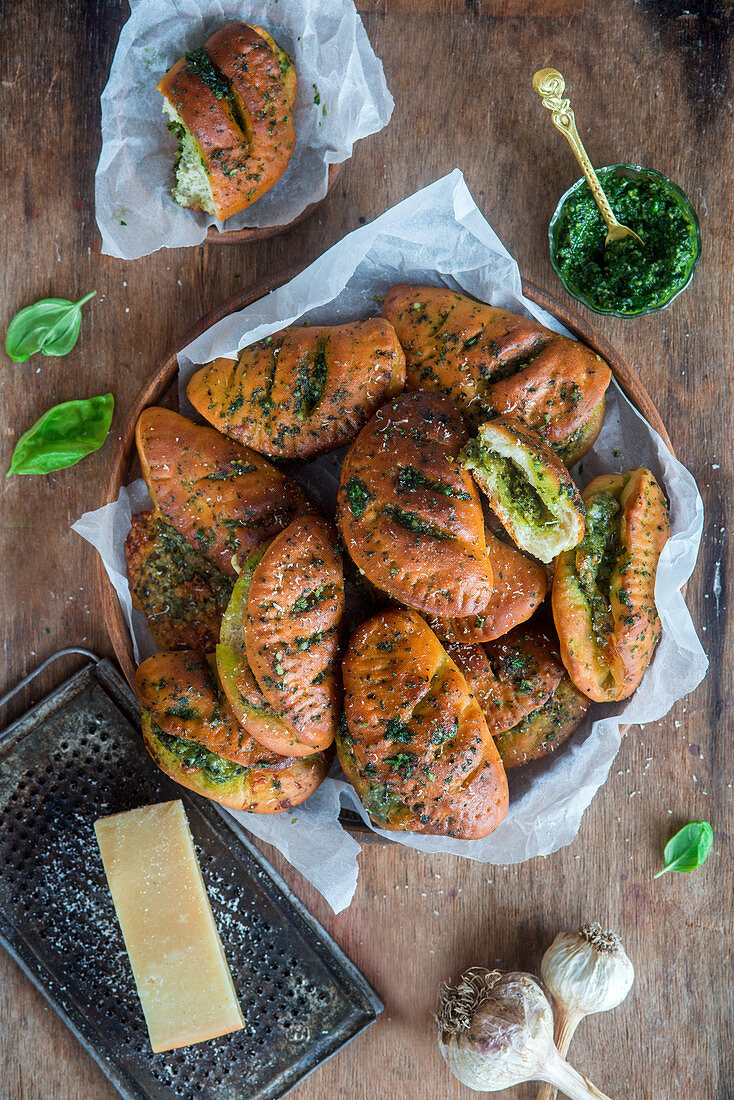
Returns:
(177, 959)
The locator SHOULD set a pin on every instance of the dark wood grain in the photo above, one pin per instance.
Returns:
(651, 82)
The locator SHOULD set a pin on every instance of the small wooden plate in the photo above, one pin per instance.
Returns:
(160, 388)
(259, 233)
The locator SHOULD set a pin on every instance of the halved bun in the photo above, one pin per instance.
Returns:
(231, 103)
(528, 488)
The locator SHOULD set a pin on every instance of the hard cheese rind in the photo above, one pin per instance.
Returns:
(177, 958)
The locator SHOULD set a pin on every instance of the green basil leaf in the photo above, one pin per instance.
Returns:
(63, 435)
(689, 848)
(50, 326)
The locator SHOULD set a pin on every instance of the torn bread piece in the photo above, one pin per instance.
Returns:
(528, 488)
(230, 104)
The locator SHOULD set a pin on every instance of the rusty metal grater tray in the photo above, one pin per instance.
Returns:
(77, 756)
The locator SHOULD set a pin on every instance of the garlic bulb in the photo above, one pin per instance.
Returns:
(585, 972)
(496, 1031)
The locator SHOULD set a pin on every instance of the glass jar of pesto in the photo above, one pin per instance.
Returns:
(626, 279)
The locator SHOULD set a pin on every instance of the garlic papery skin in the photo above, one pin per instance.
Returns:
(585, 972)
(496, 1031)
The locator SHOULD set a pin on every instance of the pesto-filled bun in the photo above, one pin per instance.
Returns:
(278, 649)
(304, 390)
(573, 448)
(544, 729)
(494, 363)
(230, 104)
(604, 589)
(191, 733)
(530, 704)
(413, 742)
(528, 488)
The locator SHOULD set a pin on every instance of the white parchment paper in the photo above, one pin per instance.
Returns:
(342, 97)
(438, 236)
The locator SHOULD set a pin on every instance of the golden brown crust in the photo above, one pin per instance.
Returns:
(604, 590)
(182, 595)
(544, 730)
(415, 745)
(520, 585)
(292, 631)
(182, 700)
(303, 390)
(573, 448)
(512, 676)
(410, 515)
(493, 362)
(246, 137)
(225, 499)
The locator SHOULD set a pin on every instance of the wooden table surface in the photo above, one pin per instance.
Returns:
(651, 83)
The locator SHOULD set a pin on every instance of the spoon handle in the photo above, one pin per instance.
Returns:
(550, 85)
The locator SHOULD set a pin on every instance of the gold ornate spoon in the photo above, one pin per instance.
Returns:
(550, 85)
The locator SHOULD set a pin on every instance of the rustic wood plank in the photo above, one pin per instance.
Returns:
(651, 85)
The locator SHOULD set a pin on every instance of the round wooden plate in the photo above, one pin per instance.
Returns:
(259, 233)
(156, 391)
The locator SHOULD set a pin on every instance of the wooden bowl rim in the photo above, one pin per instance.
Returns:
(261, 233)
(154, 389)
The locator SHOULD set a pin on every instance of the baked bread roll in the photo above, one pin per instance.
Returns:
(222, 497)
(182, 595)
(279, 648)
(414, 743)
(230, 104)
(195, 739)
(545, 729)
(303, 390)
(528, 488)
(491, 362)
(528, 699)
(604, 590)
(512, 676)
(410, 515)
(573, 448)
(520, 585)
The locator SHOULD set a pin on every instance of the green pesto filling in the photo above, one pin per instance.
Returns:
(380, 803)
(412, 522)
(194, 755)
(410, 478)
(596, 558)
(201, 63)
(311, 382)
(172, 563)
(514, 491)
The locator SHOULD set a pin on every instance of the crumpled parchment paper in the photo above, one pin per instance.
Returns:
(439, 236)
(342, 97)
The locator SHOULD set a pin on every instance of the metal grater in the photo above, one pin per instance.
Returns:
(77, 756)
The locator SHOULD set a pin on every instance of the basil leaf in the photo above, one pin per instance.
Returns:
(63, 435)
(50, 326)
(689, 848)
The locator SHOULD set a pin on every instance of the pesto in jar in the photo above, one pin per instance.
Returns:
(624, 277)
